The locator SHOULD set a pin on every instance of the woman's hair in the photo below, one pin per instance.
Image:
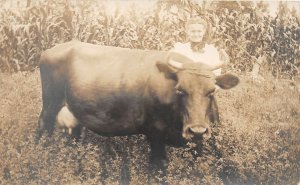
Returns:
(196, 20)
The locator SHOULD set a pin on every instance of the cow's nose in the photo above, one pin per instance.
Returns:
(197, 130)
(201, 131)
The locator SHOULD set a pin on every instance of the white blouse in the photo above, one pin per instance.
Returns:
(209, 56)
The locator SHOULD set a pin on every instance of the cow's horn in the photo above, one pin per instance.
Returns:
(177, 65)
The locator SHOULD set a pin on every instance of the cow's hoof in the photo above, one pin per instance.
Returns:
(159, 164)
(38, 136)
(158, 176)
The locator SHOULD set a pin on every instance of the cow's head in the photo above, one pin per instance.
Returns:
(195, 86)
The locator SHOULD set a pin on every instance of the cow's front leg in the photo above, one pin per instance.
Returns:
(158, 157)
(156, 138)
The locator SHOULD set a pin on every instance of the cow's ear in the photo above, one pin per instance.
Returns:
(227, 81)
(169, 71)
(164, 67)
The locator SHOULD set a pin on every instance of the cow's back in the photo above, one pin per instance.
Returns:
(93, 67)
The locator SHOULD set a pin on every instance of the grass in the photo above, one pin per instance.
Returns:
(257, 142)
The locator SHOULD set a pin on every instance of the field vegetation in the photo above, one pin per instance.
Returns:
(257, 141)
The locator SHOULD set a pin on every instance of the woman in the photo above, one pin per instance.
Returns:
(197, 50)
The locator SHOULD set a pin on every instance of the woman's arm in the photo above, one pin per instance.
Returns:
(220, 61)
(214, 58)
(224, 57)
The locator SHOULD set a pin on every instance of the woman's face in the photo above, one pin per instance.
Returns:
(195, 32)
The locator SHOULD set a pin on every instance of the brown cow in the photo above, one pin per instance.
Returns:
(117, 91)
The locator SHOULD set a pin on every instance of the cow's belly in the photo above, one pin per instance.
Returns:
(112, 115)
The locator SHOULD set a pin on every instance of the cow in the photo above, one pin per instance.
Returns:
(118, 91)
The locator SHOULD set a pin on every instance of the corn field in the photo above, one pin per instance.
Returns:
(247, 34)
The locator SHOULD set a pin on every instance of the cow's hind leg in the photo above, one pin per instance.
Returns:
(76, 135)
(53, 97)
(47, 119)
(76, 132)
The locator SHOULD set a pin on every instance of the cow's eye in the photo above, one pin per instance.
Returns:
(210, 93)
(180, 92)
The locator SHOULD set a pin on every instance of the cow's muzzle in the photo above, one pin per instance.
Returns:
(196, 131)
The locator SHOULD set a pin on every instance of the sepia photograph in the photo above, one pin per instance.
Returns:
(135, 92)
